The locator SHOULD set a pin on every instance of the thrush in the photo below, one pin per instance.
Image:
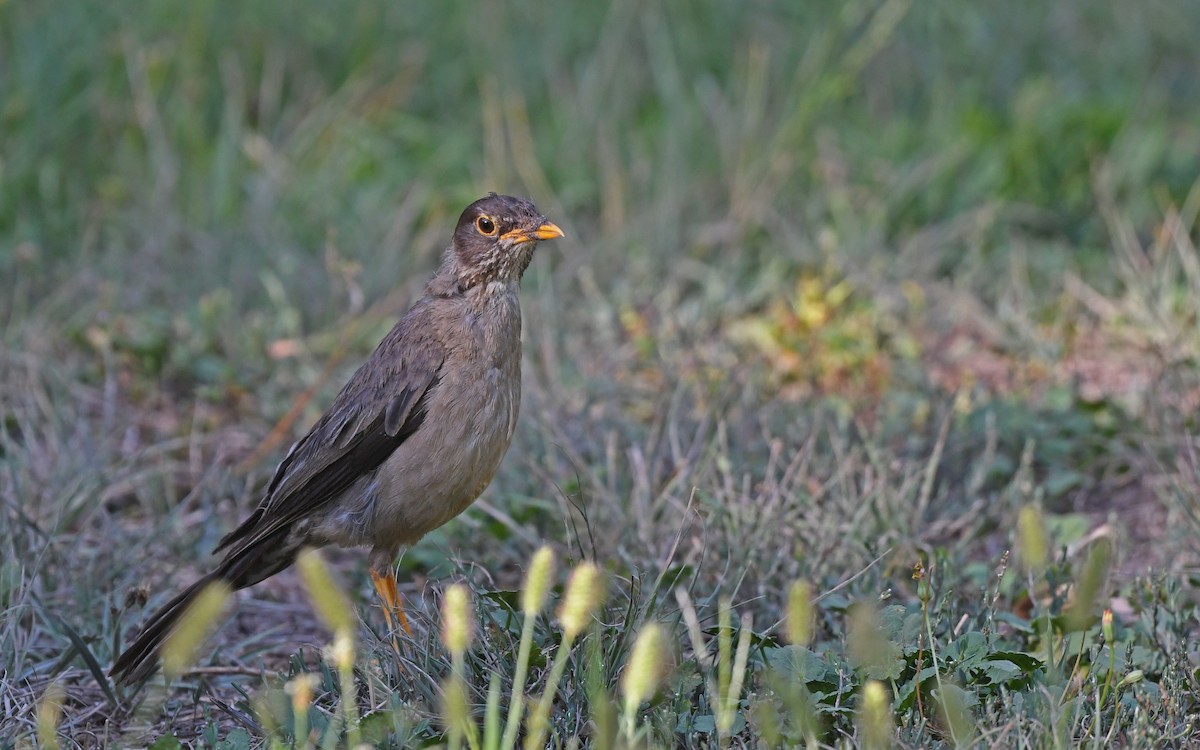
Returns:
(412, 439)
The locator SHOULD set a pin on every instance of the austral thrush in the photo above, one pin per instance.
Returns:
(412, 439)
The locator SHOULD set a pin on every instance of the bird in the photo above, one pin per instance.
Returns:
(412, 439)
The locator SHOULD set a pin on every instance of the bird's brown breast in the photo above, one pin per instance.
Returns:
(471, 416)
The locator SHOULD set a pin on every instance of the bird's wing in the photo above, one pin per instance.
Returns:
(382, 405)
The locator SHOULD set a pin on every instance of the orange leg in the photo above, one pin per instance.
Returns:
(393, 605)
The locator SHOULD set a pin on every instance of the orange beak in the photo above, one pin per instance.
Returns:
(547, 231)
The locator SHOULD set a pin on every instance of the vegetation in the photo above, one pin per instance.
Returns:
(866, 377)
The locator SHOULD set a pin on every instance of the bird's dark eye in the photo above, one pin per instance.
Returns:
(485, 225)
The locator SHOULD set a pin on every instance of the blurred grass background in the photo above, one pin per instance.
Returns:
(839, 279)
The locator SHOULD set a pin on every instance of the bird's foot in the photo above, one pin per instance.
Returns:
(393, 604)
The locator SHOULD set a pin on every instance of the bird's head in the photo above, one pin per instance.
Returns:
(495, 238)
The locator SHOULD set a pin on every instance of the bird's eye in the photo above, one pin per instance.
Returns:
(485, 225)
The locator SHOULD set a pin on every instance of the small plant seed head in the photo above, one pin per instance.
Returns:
(644, 668)
(585, 592)
(301, 688)
(799, 613)
(537, 582)
(1031, 539)
(875, 717)
(341, 651)
(179, 651)
(456, 619)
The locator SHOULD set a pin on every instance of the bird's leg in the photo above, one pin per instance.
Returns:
(383, 577)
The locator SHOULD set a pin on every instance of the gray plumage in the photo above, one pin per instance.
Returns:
(412, 439)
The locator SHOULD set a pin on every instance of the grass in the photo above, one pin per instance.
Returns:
(861, 302)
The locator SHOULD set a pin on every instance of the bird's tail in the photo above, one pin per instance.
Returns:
(138, 661)
(242, 567)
